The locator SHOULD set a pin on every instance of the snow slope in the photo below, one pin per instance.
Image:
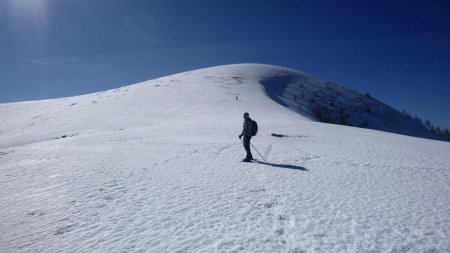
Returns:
(153, 167)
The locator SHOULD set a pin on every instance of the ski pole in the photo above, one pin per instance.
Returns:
(258, 153)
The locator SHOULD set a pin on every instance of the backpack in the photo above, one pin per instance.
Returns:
(254, 129)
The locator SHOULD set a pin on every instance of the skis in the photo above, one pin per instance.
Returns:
(248, 161)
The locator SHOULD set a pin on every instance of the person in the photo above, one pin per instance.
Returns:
(247, 133)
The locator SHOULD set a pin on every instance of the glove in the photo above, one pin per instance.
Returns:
(240, 136)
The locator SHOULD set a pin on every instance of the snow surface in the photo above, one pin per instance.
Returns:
(153, 167)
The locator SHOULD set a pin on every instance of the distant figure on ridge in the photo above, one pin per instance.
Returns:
(248, 131)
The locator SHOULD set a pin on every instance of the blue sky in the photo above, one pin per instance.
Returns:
(398, 51)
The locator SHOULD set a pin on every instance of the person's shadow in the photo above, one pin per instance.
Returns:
(283, 166)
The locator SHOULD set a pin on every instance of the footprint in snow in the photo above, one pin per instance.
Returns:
(282, 217)
(65, 229)
(270, 204)
(257, 190)
(5, 153)
(35, 213)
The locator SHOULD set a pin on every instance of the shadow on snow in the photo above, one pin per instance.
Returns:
(283, 166)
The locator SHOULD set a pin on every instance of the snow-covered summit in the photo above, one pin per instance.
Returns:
(191, 98)
(187, 99)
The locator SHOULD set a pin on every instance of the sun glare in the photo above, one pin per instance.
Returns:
(29, 15)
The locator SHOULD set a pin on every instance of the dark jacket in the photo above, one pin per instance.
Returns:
(247, 129)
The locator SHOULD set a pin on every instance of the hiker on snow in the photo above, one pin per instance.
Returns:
(247, 132)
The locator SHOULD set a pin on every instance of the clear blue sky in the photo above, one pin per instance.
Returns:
(398, 51)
